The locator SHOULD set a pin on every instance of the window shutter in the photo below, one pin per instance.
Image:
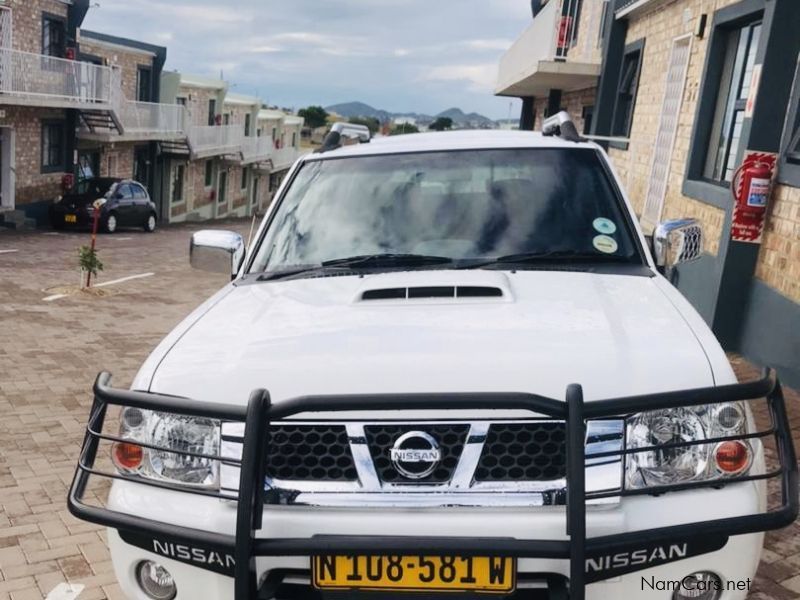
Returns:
(667, 129)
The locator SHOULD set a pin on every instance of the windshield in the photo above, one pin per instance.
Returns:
(475, 205)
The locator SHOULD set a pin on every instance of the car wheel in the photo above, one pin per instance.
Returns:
(150, 224)
(111, 223)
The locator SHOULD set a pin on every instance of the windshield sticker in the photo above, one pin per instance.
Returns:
(605, 244)
(606, 226)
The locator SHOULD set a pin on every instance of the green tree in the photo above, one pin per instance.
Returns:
(315, 116)
(370, 122)
(404, 128)
(441, 123)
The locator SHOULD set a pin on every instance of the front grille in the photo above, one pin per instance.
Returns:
(450, 438)
(310, 453)
(523, 452)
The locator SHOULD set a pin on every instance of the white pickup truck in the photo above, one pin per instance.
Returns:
(448, 365)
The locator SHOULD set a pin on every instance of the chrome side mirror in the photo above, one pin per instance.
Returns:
(217, 251)
(677, 241)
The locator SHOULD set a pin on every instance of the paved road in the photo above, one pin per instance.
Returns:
(49, 355)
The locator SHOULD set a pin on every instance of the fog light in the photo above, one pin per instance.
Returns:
(155, 581)
(702, 585)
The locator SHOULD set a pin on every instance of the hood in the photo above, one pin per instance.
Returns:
(528, 331)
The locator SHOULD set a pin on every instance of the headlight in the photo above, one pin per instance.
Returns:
(171, 432)
(685, 464)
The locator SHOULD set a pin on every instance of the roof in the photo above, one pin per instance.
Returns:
(202, 82)
(242, 99)
(293, 120)
(479, 139)
(268, 114)
(127, 43)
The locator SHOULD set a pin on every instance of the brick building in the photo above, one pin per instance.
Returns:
(76, 104)
(104, 150)
(685, 90)
(41, 95)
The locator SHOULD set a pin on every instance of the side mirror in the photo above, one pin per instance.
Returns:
(676, 242)
(217, 251)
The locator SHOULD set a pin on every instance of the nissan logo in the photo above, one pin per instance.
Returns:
(415, 455)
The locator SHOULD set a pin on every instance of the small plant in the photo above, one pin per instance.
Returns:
(89, 263)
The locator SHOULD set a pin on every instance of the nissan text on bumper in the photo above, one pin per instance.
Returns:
(442, 417)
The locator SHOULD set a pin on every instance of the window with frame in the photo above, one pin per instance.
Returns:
(627, 89)
(741, 45)
(209, 178)
(212, 111)
(54, 36)
(53, 146)
(789, 171)
(247, 118)
(178, 177)
(294, 139)
(144, 79)
(245, 173)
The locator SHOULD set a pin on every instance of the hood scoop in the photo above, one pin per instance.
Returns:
(430, 292)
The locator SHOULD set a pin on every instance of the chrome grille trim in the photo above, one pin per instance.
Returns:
(602, 474)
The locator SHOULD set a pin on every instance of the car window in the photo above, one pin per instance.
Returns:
(139, 192)
(480, 204)
(124, 191)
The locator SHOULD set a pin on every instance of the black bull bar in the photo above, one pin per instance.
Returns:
(244, 545)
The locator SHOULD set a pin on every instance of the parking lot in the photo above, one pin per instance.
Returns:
(52, 347)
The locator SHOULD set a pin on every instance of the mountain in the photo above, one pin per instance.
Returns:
(360, 109)
(460, 118)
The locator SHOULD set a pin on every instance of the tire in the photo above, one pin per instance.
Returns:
(111, 223)
(150, 223)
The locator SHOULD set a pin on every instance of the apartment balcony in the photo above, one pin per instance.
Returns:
(256, 149)
(284, 158)
(215, 140)
(28, 79)
(139, 121)
(557, 51)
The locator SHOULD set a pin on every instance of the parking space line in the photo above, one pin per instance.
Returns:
(54, 297)
(65, 591)
(123, 279)
(8, 251)
(120, 239)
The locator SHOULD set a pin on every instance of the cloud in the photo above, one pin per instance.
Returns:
(479, 78)
(399, 55)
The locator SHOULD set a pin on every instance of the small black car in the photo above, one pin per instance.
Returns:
(127, 205)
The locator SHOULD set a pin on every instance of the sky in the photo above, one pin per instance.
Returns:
(399, 55)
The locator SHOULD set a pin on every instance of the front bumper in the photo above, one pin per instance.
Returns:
(280, 539)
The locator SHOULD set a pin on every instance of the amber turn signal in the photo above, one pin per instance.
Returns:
(127, 456)
(732, 456)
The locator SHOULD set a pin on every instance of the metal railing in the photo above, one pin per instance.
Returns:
(210, 140)
(283, 158)
(40, 78)
(255, 149)
(151, 117)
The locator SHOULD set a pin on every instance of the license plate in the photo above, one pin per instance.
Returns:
(70, 218)
(489, 574)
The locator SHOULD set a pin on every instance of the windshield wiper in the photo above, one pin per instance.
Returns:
(553, 256)
(388, 260)
(275, 275)
(365, 260)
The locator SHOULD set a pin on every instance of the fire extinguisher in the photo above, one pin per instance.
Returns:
(751, 186)
(67, 182)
